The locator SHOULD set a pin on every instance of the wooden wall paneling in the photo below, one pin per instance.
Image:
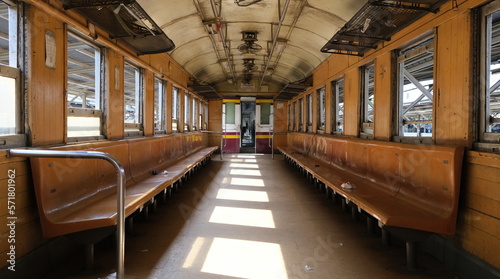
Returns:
(115, 100)
(320, 74)
(452, 99)
(46, 86)
(214, 121)
(149, 101)
(337, 64)
(351, 103)
(384, 107)
(280, 122)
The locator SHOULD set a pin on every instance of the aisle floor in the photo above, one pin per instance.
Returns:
(249, 216)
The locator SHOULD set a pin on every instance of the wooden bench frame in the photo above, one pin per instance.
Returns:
(411, 190)
(77, 196)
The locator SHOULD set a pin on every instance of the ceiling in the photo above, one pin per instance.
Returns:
(290, 34)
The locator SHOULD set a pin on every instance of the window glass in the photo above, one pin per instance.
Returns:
(175, 108)
(491, 105)
(309, 111)
(187, 112)
(195, 114)
(416, 86)
(83, 88)
(368, 99)
(265, 113)
(321, 93)
(133, 98)
(159, 106)
(8, 107)
(338, 106)
(4, 30)
(301, 114)
(230, 113)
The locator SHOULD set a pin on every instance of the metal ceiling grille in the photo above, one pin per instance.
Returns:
(293, 89)
(124, 20)
(377, 21)
(205, 91)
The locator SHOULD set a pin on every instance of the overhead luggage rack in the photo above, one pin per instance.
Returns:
(126, 21)
(375, 22)
(293, 89)
(205, 91)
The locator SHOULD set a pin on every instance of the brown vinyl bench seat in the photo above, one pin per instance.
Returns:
(75, 195)
(403, 186)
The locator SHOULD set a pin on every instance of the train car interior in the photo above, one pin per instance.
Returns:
(250, 139)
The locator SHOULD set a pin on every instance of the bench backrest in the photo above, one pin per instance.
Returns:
(65, 185)
(427, 176)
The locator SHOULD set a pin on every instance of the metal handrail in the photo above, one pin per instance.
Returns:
(120, 173)
(272, 139)
(221, 137)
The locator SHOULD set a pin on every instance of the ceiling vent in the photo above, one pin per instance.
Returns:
(375, 22)
(126, 21)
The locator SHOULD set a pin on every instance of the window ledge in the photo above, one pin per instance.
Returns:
(487, 147)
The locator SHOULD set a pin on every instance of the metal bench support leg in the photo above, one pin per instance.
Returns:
(386, 238)
(344, 205)
(370, 225)
(89, 257)
(411, 256)
(354, 213)
(130, 225)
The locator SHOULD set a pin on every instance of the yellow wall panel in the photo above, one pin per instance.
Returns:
(351, 103)
(383, 97)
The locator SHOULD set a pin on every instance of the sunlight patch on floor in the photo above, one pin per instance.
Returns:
(244, 166)
(245, 259)
(193, 254)
(243, 217)
(247, 182)
(245, 172)
(242, 195)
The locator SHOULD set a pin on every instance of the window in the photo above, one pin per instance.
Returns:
(133, 100)
(290, 117)
(490, 70)
(301, 114)
(159, 106)
(230, 113)
(367, 99)
(321, 93)
(294, 116)
(85, 117)
(309, 110)
(176, 105)
(195, 114)
(265, 113)
(416, 85)
(338, 106)
(187, 112)
(204, 117)
(11, 127)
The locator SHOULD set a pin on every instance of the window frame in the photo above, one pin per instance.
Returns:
(14, 71)
(321, 101)
(487, 140)
(187, 112)
(301, 115)
(416, 49)
(367, 87)
(162, 103)
(99, 100)
(137, 127)
(309, 112)
(176, 105)
(336, 105)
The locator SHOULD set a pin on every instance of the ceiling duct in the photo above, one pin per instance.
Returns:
(126, 21)
(375, 22)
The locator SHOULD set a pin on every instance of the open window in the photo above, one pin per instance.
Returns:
(309, 113)
(489, 75)
(415, 92)
(321, 95)
(338, 106)
(133, 90)
(176, 109)
(11, 112)
(159, 106)
(367, 100)
(84, 90)
(187, 112)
